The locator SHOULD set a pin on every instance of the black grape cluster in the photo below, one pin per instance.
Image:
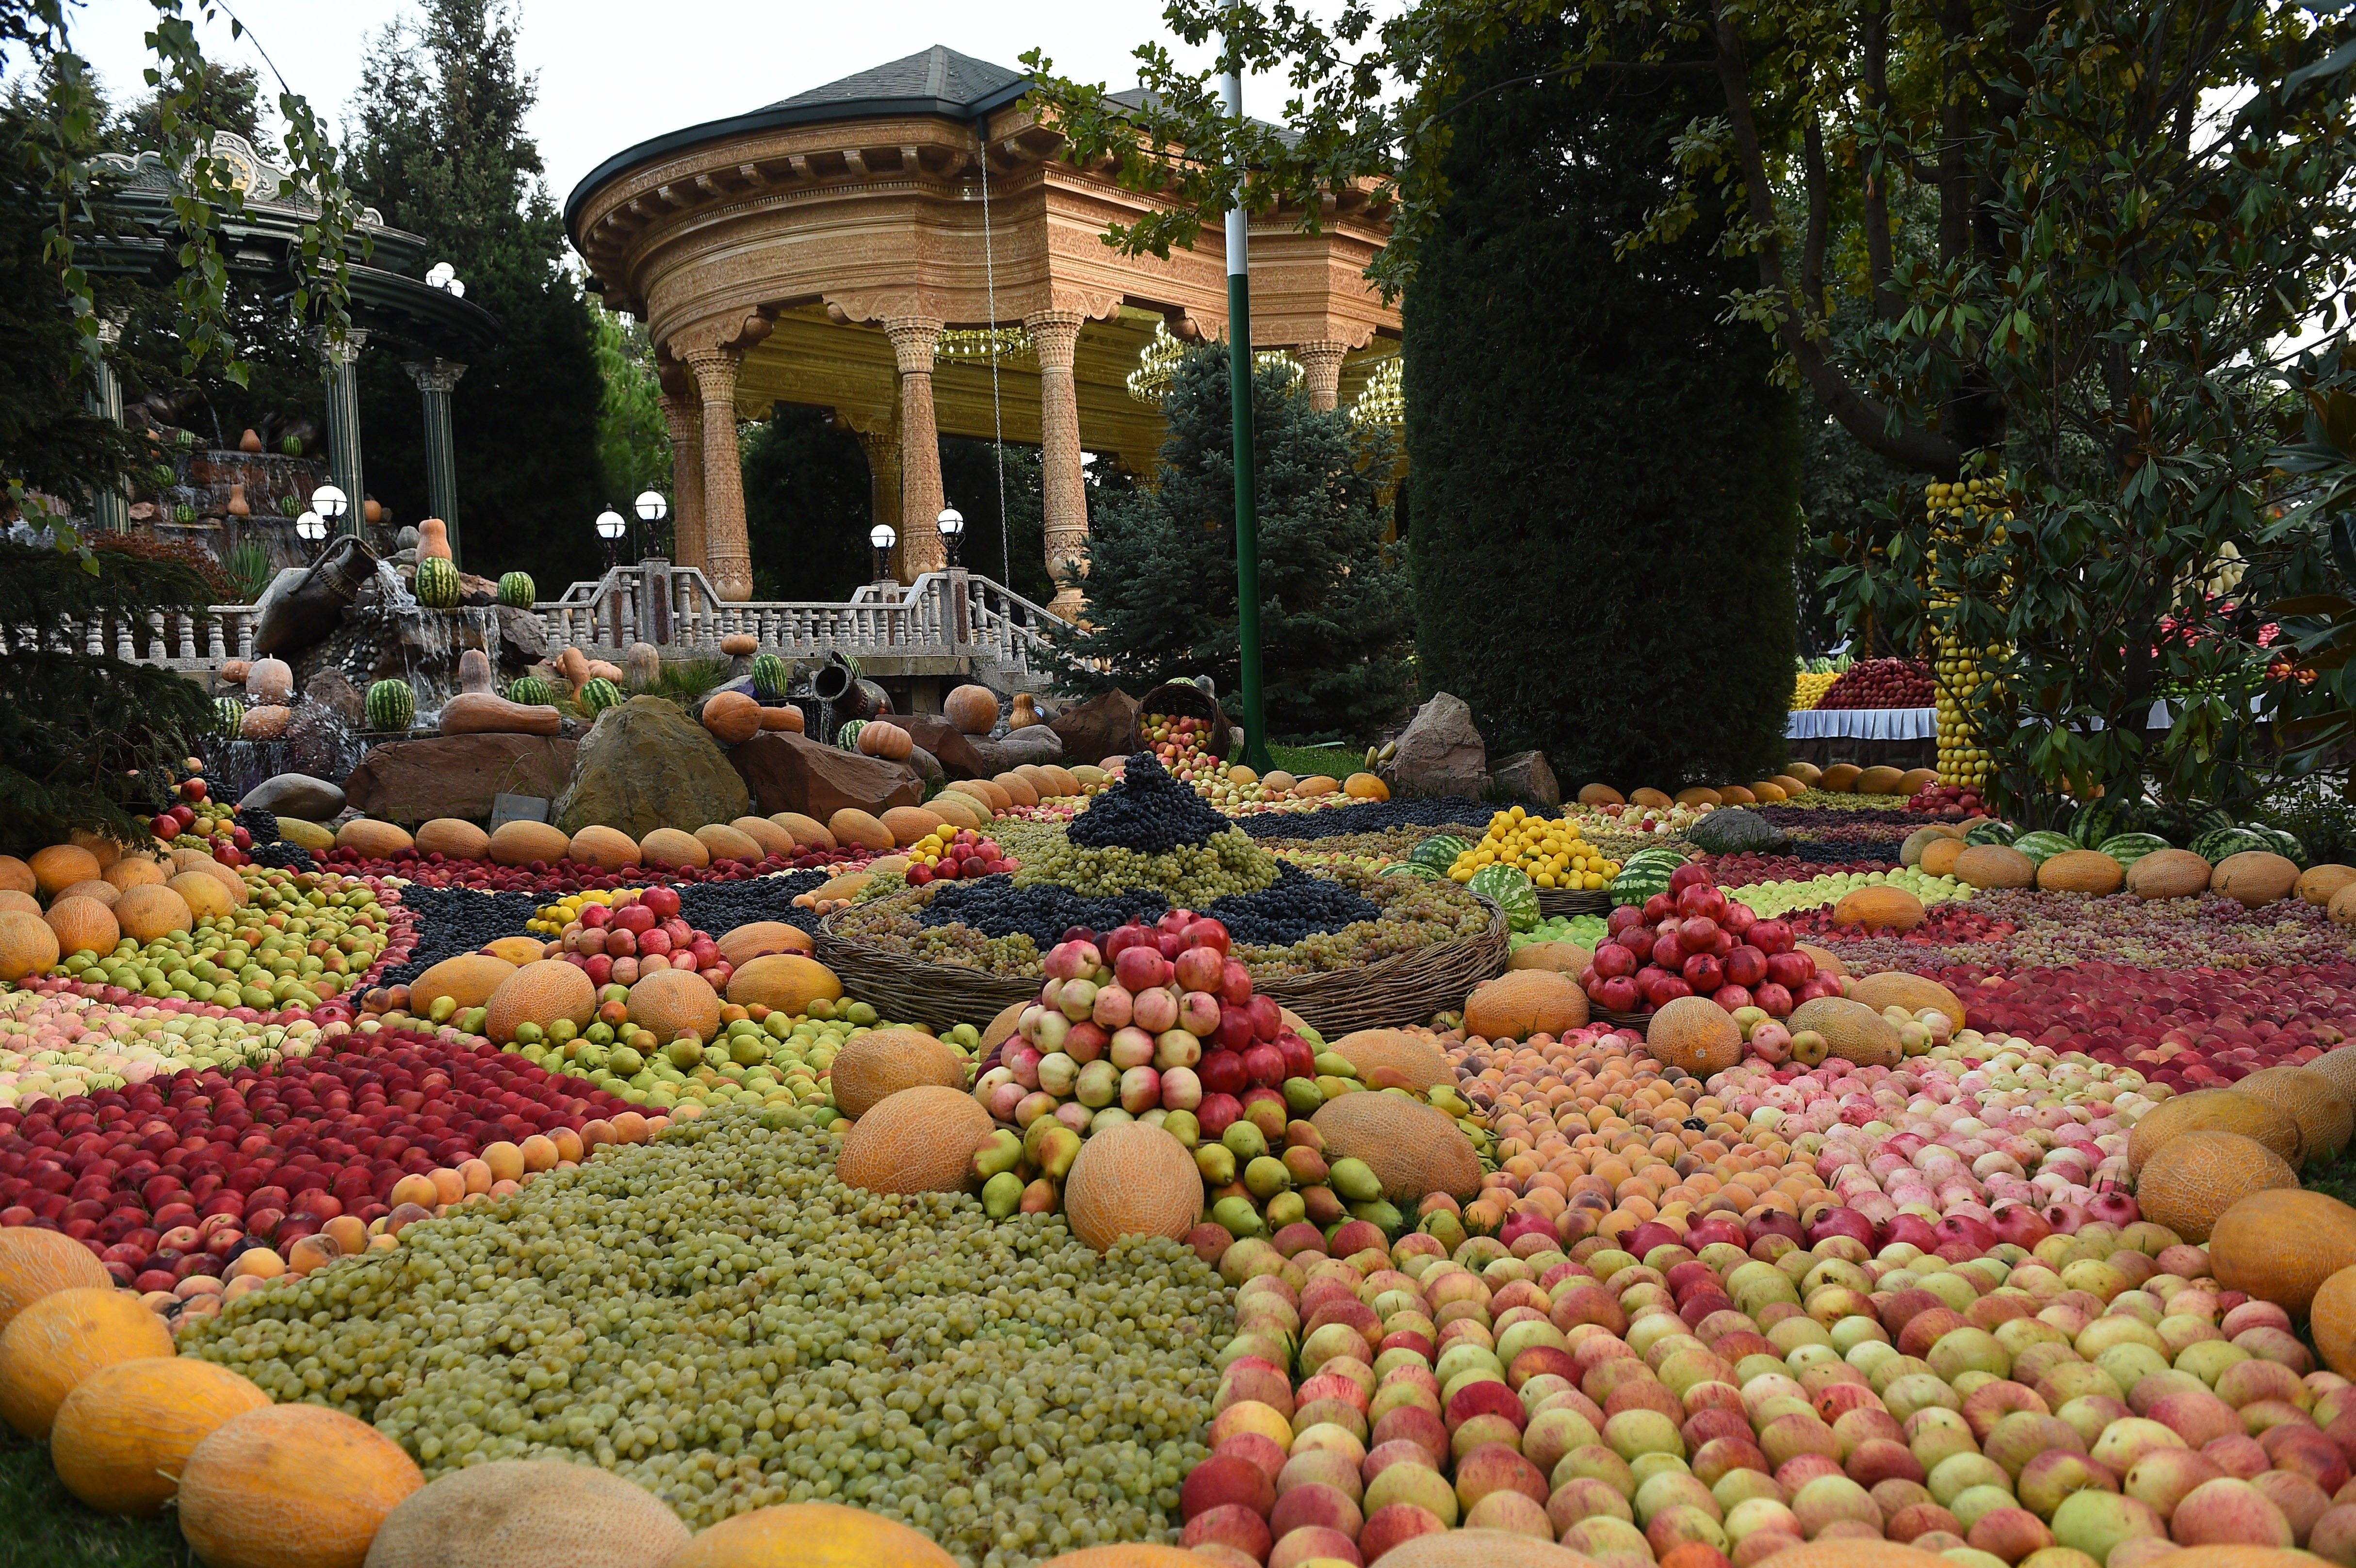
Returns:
(995, 907)
(260, 825)
(1373, 817)
(451, 920)
(1147, 811)
(721, 907)
(279, 854)
(1296, 905)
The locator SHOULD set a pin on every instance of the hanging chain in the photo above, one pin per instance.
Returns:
(997, 414)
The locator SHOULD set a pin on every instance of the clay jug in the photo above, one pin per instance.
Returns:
(237, 506)
(249, 441)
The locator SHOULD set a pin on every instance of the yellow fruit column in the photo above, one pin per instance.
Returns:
(1963, 517)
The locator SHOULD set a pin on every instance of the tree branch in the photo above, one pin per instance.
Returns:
(1886, 303)
(1820, 218)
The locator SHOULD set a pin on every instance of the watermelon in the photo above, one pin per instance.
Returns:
(1640, 879)
(2042, 847)
(437, 583)
(391, 705)
(1990, 832)
(1510, 891)
(848, 736)
(2215, 847)
(769, 676)
(2286, 845)
(2126, 849)
(530, 691)
(228, 715)
(600, 694)
(2216, 819)
(1653, 854)
(1408, 868)
(2100, 819)
(517, 590)
(1438, 851)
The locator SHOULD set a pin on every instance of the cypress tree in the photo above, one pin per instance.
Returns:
(1602, 477)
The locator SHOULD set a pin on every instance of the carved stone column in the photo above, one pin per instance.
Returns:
(913, 338)
(436, 379)
(1056, 334)
(883, 449)
(683, 414)
(1321, 364)
(728, 554)
(342, 362)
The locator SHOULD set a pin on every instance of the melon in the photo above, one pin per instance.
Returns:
(783, 982)
(755, 938)
(1937, 856)
(1840, 778)
(811, 1535)
(2325, 1115)
(673, 1002)
(2316, 884)
(516, 950)
(1696, 795)
(1696, 1034)
(61, 866)
(1736, 795)
(55, 1342)
(972, 709)
(521, 843)
(1852, 1031)
(2331, 1318)
(1130, 1180)
(1416, 1056)
(453, 838)
(672, 849)
(772, 839)
(2340, 1067)
(2280, 1246)
(808, 831)
(1126, 1555)
(1017, 788)
(28, 944)
(1996, 866)
(608, 849)
(852, 825)
(1523, 1002)
(918, 1140)
(2081, 872)
(724, 843)
(37, 1262)
(14, 902)
(1562, 957)
(1413, 1149)
(1826, 961)
(1879, 908)
(2169, 874)
(540, 993)
(152, 909)
(470, 980)
(1911, 852)
(1914, 781)
(1650, 797)
(1365, 786)
(1601, 794)
(1001, 1028)
(958, 810)
(292, 1486)
(1882, 780)
(1896, 988)
(122, 1434)
(84, 924)
(988, 790)
(1472, 1548)
(1062, 780)
(204, 895)
(877, 1064)
(2214, 1111)
(907, 824)
(2343, 907)
(134, 870)
(372, 839)
(2196, 1176)
(529, 1513)
(17, 877)
(733, 716)
(2254, 877)
(1805, 773)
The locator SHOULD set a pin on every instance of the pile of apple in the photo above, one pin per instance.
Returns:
(964, 856)
(638, 935)
(194, 814)
(1948, 800)
(1693, 941)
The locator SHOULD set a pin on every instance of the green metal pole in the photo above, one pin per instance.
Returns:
(1240, 374)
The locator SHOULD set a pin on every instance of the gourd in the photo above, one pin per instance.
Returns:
(769, 677)
(437, 583)
(517, 590)
(391, 705)
(486, 713)
(879, 739)
(1026, 712)
(432, 540)
(598, 695)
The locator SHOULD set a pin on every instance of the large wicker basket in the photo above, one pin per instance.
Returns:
(1554, 901)
(908, 990)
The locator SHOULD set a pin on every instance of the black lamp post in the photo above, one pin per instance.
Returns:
(883, 535)
(952, 526)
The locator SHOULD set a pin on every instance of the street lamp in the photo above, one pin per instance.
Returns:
(331, 505)
(311, 529)
(610, 528)
(883, 535)
(651, 509)
(952, 526)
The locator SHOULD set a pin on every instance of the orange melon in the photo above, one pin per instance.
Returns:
(204, 895)
(2318, 884)
(1563, 957)
(880, 1064)
(1017, 788)
(852, 825)
(1601, 794)
(1826, 961)
(34, 1264)
(1698, 795)
(1895, 988)
(1316, 785)
(1882, 780)
(2215, 1111)
(2325, 1115)
(672, 849)
(1696, 1034)
(292, 1486)
(1416, 1056)
(540, 993)
(102, 889)
(811, 1535)
(1365, 786)
(17, 877)
(988, 791)
(84, 925)
(529, 1513)
(470, 979)
(1130, 1180)
(755, 938)
(55, 1342)
(608, 849)
(122, 1434)
(1063, 781)
(61, 866)
(672, 1002)
(14, 902)
(772, 839)
(516, 950)
(918, 1140)
(376, 841)
(1413, 1149)
(1806, 775)
(134, 870)
(2331, 1318)
(808, 831)
(27, 945)
(2254, 877)
(1880, 908)
(723, 843)
(1995, 866)
(2196, 1176)
(2339, 1066)
(1852, 1031)
(1736, 795)
(1001, 1028)
(2170, 874)
(452, 838)
(521, 843)
(788, 982)
(1523, 1002)
(1840, 778)
(2281, 1245)
(957, 809)
(907, 824)
(2081, 872)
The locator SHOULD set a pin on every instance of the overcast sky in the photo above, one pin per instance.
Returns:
(612, 74)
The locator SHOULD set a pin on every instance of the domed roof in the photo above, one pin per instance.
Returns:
(948, 78)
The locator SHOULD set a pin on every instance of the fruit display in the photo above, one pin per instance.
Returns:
(1881, 683)
(1180, 743)
(1691, 939)
(1966, 516)
(1550, 851)
(1815, 678)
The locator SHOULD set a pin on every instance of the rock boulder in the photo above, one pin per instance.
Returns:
(646, 765)
(1101, 727)
(1527, 775)
(960, 755)
(294, 794)
(1441, 753)
(786, 771)
(457, 775)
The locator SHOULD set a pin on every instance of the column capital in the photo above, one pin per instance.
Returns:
(714, 370)
(435, 374)
(344, 351)
(1056, 334)
(912, 341)
(1320, 365)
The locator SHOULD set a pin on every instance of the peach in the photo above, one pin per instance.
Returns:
(1223, 1481)
(1312, 1544)
(1316, 1506)
(1229, 1525)
(1322, 1468)
(2229, 1512)
(1396, 1523)
(2163, 1478)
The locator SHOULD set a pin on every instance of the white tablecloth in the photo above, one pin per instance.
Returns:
(1863, 723)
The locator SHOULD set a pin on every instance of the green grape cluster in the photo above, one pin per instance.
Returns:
(718, 1319)
(1190, 875)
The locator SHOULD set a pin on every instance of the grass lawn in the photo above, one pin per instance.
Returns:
(45, 1527)
(1335, 762)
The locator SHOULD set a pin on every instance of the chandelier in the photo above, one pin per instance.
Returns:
(1157, 366)
(1383, 401)
(984, 342)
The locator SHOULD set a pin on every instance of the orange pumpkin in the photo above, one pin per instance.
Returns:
(786, 718)
(889, 741)
(731, 716)
(972, 709)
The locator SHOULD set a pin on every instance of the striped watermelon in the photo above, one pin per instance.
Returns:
(600, 694)
(392, 705)
(2216, 819)
(1408, 868)
(1512, 890)
(1438, 851)
(2286, 845)
(2042, 847)
(437, 583)
(2100, 819)
(1990, 832)
(2126, 849)
(2215, 847)
(1639, 880)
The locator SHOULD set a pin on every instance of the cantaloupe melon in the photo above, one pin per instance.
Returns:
(2081, 872)
(1523, 1002)
(672, 849)
(1126, 1555)
(454, 839)
(2343, 907)
(907, 824)
(1646, 795)
(37, 1262)
(373, 839)
(958, 809)
(521, 843)
(1882, 780)
(1413, 1149)
(808, 831)
(1417, 1056)
(2331, 1318)
(772, 839)
(1001, 1028)
(2318, 884)
(2254, 877)
(292, 1486)
(2196, 1176)
(540, 993)
(2231, 1556)
(134, 870)
(1017, 788)
(1063, 783)
(61, 866)
(1736, 795)
(2281, 1245)
(746, 942)
(2169, 874)
(122, 1435)
(102, 889)
(516, 950)
(1840, 778)
(2214, 1111)
(31, 943)
(2325, 1115)
(2338, 1065)
(14, 902)
(1995, 866)
(1767, 791)
(1830, 1553)
(873, 1066)
(1562, 957)
(811, 1535)
(1879, 908)
(672, 1002)
(1826, 961)
(470, 979)
(987, 791)
(55, 1342)
(1601, 794)
(724, 843)
(608, 849)
(918, 1140)
(1938, 853)
(204, 895)
(151, 911)
(852, 825)
(789, 982)
(17, 877)
(1696, 1034)
(1130, 1180)
(1897, 988)
(529, 1513)
(1852, 1031)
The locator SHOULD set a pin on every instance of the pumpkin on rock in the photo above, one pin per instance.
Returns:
(731, 716)
(879, 737)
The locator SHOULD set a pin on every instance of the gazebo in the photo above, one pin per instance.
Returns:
(864, 247)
